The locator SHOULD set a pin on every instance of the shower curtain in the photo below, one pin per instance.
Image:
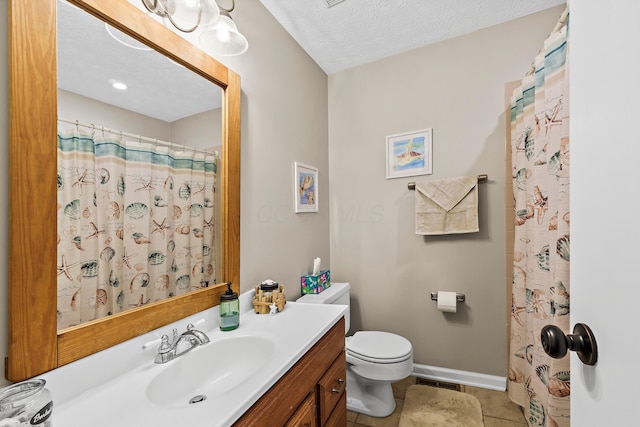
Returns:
(135, 224)
(540, 287)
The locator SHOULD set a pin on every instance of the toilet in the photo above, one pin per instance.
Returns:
(375, 359)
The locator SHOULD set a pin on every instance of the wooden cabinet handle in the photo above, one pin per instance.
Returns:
(339, 390)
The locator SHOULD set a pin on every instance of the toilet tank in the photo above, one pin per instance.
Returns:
(337, 293)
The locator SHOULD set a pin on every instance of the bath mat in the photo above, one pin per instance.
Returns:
(426, 406)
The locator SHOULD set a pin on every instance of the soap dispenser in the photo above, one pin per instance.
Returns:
(229, 310)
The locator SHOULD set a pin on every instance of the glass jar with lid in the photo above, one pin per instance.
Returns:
(26, 404)
(229, 310)
(267, 287)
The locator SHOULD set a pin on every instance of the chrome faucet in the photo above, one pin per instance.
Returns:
(192, 338)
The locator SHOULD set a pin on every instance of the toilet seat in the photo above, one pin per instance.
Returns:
(379, 347)
(378, 356)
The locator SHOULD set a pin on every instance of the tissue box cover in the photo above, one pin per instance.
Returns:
(315, 283)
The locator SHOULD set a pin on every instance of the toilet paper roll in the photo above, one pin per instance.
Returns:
(447, 301)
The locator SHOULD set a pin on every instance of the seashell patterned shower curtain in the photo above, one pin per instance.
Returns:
(540, 292)
(135, 224)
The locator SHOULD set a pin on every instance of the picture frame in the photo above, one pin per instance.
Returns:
(305, 191)
(410, 154)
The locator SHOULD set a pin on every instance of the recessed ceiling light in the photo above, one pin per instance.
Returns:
(119, 85)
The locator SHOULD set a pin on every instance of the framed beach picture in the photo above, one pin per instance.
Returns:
(410, 154)
(305, 188)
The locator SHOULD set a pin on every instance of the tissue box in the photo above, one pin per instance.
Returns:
(315, 283)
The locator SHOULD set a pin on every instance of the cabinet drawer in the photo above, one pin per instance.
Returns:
(331, 387)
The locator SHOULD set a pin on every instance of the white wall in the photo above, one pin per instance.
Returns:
(604, 59)
(455, 87)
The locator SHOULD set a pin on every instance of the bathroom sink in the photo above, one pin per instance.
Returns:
(223, 378)
(209, 370)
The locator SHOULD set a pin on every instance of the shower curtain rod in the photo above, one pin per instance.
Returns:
(140, 138)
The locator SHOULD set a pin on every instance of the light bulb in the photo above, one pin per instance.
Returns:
(223, 35)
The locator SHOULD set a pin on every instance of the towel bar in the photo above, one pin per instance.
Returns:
(481, 178)
(459, 297)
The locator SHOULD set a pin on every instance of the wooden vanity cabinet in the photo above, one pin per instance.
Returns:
(303, 396)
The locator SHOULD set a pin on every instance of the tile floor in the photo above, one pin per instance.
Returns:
(497, 409)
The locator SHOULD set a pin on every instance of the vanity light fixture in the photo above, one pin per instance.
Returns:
(184, 15)
(219, 34)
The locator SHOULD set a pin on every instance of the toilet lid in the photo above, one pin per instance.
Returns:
(379, 346)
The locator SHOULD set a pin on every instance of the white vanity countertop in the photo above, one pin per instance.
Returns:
(109, 388)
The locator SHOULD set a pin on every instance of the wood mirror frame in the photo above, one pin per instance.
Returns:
(35, 346)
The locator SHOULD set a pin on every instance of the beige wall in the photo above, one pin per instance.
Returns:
(72, 106)
(285, 118)
(457, 88)
(509, 211)
(203, 130)
(191, 130)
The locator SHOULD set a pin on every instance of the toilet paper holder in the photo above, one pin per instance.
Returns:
(459, 297)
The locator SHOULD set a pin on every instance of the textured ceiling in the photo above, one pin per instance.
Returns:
(348, 34)
(356, 32)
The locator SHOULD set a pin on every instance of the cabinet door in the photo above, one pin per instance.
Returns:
(305, 415)
(338, 417)
(331, 387)
(277, 405)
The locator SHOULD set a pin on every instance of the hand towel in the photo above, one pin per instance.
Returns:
(447, 206)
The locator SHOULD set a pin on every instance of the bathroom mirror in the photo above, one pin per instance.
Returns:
(34, 344)
(160, 100)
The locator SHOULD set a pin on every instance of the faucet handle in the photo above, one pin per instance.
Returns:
(165, 346)
(165, 351)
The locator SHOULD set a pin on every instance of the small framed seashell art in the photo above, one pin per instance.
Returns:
(305, 189)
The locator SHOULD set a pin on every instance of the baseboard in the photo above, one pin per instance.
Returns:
(491, 382)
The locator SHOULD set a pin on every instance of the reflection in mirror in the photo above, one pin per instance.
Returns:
(136, 213)
(93, 55)
(35, 345)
